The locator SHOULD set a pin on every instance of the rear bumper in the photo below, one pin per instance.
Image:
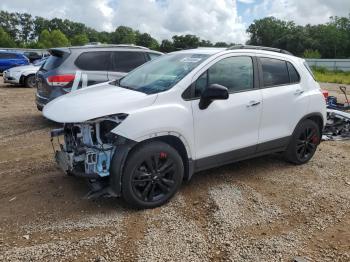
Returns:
(40, 100)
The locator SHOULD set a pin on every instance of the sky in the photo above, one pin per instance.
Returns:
(214, 20)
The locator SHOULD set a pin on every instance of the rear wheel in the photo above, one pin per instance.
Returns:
(304, 142)
(152, 175)
(29, 81)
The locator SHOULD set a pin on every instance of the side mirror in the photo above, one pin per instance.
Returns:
(211, 93)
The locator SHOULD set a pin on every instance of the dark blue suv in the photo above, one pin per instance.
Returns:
(9, 59)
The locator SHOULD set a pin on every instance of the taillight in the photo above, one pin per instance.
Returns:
(60, 80)
(325, 94)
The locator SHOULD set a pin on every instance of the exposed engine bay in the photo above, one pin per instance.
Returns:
(88, 147)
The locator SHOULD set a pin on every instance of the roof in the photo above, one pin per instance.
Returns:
(102, 47)
(242, 49)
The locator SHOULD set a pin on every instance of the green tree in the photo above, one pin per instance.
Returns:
(79, 40)
(58, 39)
(185, 41)
(167, 46)
(124, 35)
(5, 39)
(309, 53)
(52, 39)
(45, 39)
(221, 44)
(146, 40)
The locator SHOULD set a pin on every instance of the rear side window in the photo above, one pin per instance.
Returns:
(275, 72)
(52, 62)
(293, 74)
(94, 61)
(127, 61)
(8, 56)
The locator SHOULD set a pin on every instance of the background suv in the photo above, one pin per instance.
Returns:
(9, 59)
(185, 112)
(100, 63)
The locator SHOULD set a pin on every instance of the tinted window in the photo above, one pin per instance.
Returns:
(153, 55)
(293, 73)
(52, 62)
(94, 61)
(8, 56)
(275, 72)
(235, 73)
(127, 61)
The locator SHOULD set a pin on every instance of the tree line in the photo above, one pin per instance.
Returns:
(329, 40)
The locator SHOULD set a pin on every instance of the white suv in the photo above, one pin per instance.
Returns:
(187, 111)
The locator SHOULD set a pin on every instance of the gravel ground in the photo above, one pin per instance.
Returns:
(257, 210)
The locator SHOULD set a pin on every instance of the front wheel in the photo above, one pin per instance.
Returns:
(152, 175)
(30, 81)
(304, 142)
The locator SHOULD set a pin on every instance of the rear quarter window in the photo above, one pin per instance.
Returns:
(126, 61)
(52, 62)
(94, 61)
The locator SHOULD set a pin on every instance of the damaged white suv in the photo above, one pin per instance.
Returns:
(187, 111)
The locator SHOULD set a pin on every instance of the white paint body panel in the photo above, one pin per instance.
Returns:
(18, 71)
(224, 126)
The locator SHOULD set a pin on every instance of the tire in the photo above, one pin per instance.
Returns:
(29, 81)
(152, 175)
(40, 108)
(304, 142)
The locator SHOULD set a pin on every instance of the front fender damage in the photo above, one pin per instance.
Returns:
(90, 150)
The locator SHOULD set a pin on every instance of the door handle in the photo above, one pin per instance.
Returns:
(253, 103)
(298, 92)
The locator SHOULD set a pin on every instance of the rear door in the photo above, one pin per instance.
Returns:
(124, 62)
(95, 64)
(284, 100)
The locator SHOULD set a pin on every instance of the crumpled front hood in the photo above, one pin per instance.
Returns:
(93, 102)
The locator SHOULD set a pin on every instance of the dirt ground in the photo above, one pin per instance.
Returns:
(257, 210)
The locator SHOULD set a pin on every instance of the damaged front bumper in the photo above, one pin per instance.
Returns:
(88, 148)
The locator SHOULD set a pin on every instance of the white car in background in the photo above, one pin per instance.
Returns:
(23, 75)
(185, 112)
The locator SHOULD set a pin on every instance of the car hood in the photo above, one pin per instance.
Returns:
(23, 68)
(94, 102)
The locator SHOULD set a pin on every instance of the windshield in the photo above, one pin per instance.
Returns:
(162, 73)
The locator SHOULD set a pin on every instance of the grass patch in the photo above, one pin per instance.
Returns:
(327, 76)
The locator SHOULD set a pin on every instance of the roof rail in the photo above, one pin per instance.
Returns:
(259, 48)
(111, 45)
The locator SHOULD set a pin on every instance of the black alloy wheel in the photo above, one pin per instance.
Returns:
(304, 142)
(153, 174)
(307, 143)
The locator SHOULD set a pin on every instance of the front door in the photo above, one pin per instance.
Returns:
(227, 129)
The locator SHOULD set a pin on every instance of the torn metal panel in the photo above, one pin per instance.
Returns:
(337, 126)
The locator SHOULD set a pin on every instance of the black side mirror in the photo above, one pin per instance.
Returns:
(211, 93)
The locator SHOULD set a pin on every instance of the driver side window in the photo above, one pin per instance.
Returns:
(235, 73)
